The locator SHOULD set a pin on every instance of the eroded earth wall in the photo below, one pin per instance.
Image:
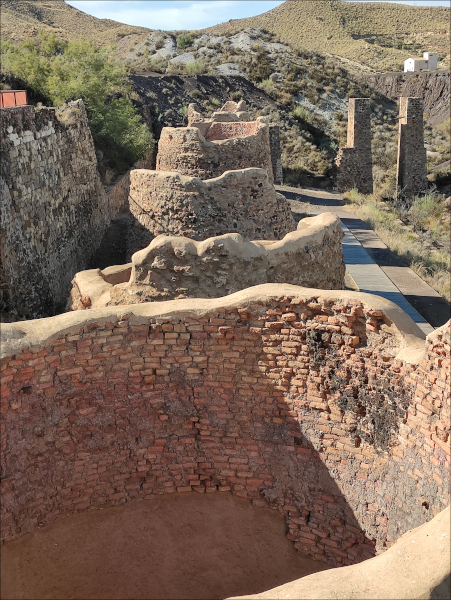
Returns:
(177, 267)
(54, 209)
(432, 86)
(242, 201)
(327, 406)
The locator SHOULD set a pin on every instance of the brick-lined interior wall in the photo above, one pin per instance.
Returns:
(289, 397)
(224, 131)
(184, 150)
(243, 201)
(54, 208)
(412, 164)
(354, 162)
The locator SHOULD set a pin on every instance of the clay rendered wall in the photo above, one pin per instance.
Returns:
(185, 150)
(177, 267)
(412, 164)
(242, 201)
(327, 406)
(354, 162)
(54, 208)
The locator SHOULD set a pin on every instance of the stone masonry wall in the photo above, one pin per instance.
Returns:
(177, 267)
(354, 162)
(185, 150)
(412, 164)
(54, 208)
(324, 405)
(242, 201)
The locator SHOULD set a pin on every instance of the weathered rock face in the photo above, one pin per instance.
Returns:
(54, 208)
(433, 88)
(242, 201)
(230, 146)
(176, 267)
(354, 162)
(324, 405)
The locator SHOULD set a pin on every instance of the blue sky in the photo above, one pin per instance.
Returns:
(190, 14)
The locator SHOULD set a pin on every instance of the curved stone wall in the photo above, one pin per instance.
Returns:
(242, 201)
(325, 405)
(186, 151)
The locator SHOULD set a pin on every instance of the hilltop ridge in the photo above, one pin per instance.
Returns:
(380, 36)
(22, 19)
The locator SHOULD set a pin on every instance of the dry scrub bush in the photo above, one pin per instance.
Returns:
(431, 263)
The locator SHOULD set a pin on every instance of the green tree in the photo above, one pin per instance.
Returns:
(64, 71)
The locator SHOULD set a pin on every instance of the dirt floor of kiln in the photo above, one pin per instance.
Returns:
(177, 546)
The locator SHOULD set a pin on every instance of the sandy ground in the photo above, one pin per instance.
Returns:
(177, 546)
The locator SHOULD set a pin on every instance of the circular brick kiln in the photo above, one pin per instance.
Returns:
(328, 406)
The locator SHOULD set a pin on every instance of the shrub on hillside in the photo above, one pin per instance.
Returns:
(197, 67)
(260, 66)
(184, 41)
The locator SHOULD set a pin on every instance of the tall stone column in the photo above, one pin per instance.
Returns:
(412, 166)
(354, 162)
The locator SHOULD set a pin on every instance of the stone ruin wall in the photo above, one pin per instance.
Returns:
(54, 208)
(185, 150)
(241, 201)
(354, 162)
(177, 267)
(412, 163)
(276, 154)
(324, 405)
(209, 146)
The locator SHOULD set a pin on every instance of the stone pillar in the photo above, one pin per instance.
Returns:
(412, 166)
(354, 162)
(276, 156)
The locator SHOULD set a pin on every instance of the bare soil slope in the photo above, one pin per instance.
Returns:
(378, 35)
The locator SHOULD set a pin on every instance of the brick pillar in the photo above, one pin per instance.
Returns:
(412, 167)
(354, 162)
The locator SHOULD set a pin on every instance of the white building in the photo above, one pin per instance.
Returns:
(428, 61)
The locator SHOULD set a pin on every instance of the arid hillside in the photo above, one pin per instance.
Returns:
(22, 19)
(379, 36)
